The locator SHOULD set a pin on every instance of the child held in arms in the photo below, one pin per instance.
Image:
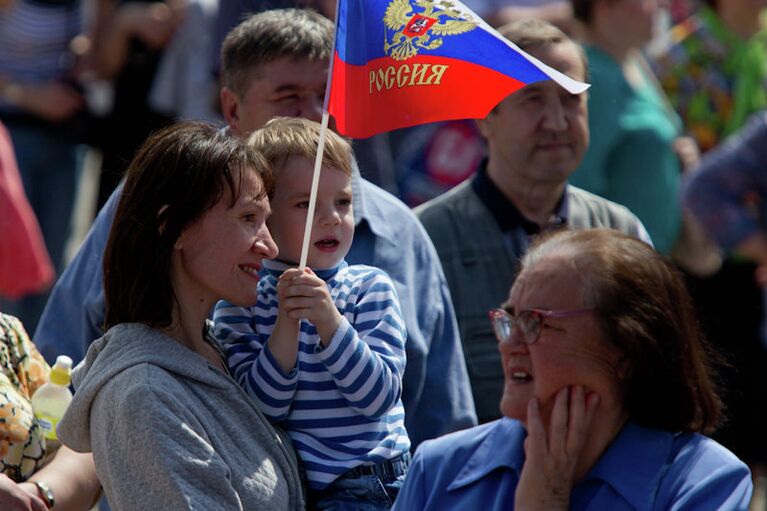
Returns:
(322, 352)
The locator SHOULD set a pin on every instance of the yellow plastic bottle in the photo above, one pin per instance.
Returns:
(51, 400)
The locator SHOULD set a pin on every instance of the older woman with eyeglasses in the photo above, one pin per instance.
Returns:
(608, 393)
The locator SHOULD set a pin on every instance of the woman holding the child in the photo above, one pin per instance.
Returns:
(167, 425)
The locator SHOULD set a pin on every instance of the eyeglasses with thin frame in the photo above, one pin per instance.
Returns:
(528, 322)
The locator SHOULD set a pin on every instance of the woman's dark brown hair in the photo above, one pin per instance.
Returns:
(646, 311)
(178, 174)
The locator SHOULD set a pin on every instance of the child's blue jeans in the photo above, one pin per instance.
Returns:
(364, 488)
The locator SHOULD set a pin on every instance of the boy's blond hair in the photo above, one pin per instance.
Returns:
(283, 137)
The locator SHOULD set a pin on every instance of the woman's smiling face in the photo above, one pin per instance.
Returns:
(569, 350)
(219, 255)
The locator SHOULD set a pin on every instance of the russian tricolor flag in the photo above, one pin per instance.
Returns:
(400, 63)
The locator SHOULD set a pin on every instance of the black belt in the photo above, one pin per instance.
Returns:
(396, 467)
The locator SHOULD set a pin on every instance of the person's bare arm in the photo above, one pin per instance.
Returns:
(116, 24)
(15, 498)
(52, 101)
(72, 477)
(688, 153)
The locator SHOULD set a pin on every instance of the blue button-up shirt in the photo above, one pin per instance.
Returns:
(643, 469)
(436, 391)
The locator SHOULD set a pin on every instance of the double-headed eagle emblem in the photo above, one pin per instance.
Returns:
(419, 25)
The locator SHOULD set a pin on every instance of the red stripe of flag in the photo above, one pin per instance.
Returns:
(385, 94)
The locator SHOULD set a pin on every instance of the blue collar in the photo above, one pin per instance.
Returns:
(502, 448)
(275, 267)
(636, 480)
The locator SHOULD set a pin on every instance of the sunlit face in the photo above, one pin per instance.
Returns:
(569, 351)
(540, 132)
(283, 87)
(219, 255)
(333, 227)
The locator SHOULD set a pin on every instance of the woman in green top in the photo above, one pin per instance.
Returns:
(631, 158)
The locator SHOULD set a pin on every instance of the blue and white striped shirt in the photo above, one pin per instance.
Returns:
(340, 405)
(34, 40)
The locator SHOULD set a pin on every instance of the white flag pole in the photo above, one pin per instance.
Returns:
(320, 152)
(313, 193)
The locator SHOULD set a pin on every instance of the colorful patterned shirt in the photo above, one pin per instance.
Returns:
(22, 371)
(714, 79)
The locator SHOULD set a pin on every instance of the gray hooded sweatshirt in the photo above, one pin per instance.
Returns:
(168, 431)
